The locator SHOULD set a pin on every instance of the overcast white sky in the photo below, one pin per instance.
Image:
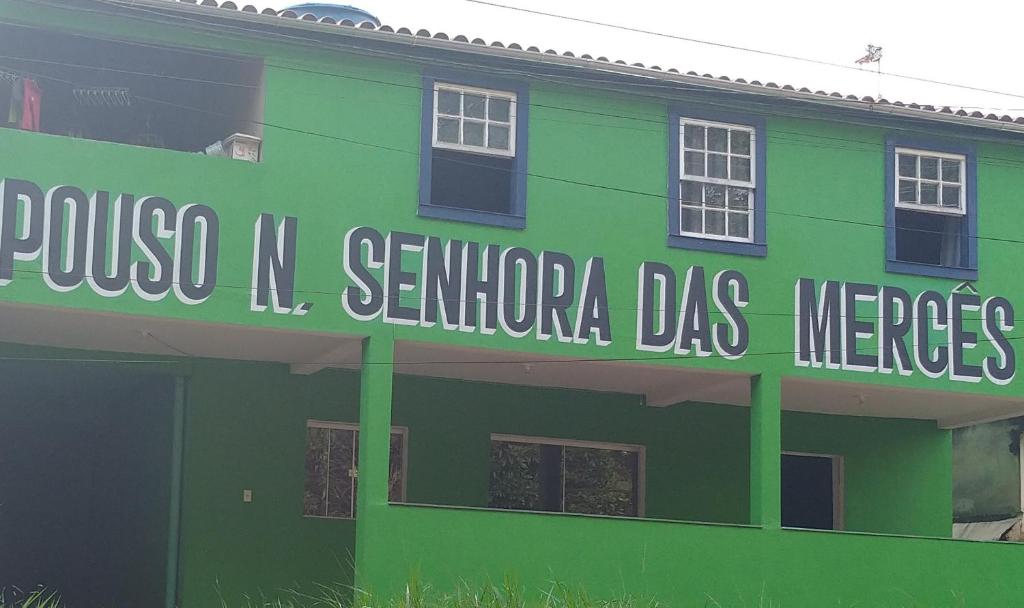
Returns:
(976, 44)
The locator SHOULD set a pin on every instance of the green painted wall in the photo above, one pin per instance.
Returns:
(245, 424)
(246, 429)
(896, 472)
(342, 149)
(83, 482)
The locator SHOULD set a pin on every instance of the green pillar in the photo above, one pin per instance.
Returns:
(374, 449)
(766, 451)
(174, 510)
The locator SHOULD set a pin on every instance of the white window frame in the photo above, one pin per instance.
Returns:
(751, 184)
(350, 426)
(838, 485)
(639, 450)
(508, 95)
(938, 209)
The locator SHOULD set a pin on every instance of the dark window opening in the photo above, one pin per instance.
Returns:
(809, 492)
(562, 478)
(930, 238)
(159, 97)
(476, 182)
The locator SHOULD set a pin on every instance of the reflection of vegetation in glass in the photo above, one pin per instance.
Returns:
(601, 482)
(515, 476)
(332, 457)
(317, 451)
(547, 477)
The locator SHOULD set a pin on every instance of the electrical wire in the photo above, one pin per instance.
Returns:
(416, 153)
(823, 353)
(740, 48)
(205, 27)
(405, 57)
(413, 299)
(586, 83)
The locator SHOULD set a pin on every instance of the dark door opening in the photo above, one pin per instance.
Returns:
(810, 492)
(85, 466)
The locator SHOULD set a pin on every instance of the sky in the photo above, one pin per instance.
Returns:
(976, 45)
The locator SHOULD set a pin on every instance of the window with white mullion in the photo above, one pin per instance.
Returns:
(931, 182)
(716, 189)
(474, 120)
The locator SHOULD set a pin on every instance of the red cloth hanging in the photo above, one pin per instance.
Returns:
(31, 102)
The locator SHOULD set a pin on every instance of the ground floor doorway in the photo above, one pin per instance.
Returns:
(85, 470)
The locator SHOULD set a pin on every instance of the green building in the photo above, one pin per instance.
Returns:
(565, 319)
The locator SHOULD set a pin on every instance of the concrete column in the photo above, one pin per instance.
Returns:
(766, 451)
(378, 365)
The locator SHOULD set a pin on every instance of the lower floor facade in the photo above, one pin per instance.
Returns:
(204, 482)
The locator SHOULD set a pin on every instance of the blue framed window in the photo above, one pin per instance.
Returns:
(931, 211)
(716, 189)
(473, 150)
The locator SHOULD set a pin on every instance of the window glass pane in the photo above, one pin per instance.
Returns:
(739, 198)
(908, 165)
(315, 496)
(718, 165)
(396, 482)
(714, 222)
(714, 196)
(690, 220)
(929, 193)
(740, 142)
(497, 137)
(601, 481)
(950, 170)
(690, 191)
(739, 225)
(693, 163)
(718, 139)
(448, 130)
(515, 476)
(473, 133)
(693, 137)
(929, 167)
(951, 196)
(526, 476)
(448, 102)
(498, 109)
(340, 473)
(908, 191)
(739, 169)
(474, 106)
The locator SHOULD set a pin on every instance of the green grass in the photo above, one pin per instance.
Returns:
(38, 598)
(508, 594)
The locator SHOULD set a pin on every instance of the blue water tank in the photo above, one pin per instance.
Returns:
(338, 12)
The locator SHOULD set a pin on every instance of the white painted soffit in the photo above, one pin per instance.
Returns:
(68, 328)
(661, 385)
(949, 409)
(307, 353)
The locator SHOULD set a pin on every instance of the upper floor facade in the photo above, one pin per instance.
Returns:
(217, 165)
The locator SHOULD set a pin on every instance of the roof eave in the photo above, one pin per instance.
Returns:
(780, 94)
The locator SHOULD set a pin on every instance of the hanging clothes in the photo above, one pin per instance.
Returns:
(32, 99)
(14, 109)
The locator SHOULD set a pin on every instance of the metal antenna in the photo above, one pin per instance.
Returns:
(873, 55)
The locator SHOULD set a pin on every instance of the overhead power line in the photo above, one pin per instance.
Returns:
(739, 48)
(568, 181)
(221, 29)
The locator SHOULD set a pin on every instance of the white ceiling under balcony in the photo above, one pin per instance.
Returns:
(309, 352)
